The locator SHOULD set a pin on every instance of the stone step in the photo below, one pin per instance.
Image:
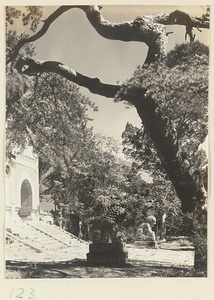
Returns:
(19, 249)
(48, 244)
(22, 249)
(16, 244)
(53, 229)
(53, 242)
(28, 251)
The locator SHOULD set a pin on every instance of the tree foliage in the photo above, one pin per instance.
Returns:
(33, 16)
(180, 92)
(11, 14)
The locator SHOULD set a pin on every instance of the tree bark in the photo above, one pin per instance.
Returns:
(165, 140)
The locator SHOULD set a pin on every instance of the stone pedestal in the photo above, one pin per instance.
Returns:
(146, 244)
(107, 254)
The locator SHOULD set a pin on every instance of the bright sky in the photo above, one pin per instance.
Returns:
(73, 41)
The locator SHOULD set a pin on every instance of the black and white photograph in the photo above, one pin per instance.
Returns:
(106, 141)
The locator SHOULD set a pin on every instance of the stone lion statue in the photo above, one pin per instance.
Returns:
(144, 231)
(104, 230)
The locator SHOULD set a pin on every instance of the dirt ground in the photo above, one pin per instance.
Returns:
(174, 259)
(79, 269)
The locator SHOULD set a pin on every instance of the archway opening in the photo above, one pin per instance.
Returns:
(26, 199)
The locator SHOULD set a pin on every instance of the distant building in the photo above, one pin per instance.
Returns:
(22, 187)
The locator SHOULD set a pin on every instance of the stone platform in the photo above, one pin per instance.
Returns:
(107, 254)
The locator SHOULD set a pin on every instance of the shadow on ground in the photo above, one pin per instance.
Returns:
(79, 269)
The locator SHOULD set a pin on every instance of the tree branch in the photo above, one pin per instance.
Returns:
(141, 30)
(147, 29)
(178, 17)
(31, 67)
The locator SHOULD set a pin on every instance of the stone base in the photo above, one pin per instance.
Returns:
(146, 244)
(107, 254)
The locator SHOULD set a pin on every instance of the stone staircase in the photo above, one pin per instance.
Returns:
(38, 241)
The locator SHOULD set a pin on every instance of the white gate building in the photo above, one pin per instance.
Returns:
(22, 187)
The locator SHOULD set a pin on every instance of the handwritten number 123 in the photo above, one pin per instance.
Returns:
(21, 293)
